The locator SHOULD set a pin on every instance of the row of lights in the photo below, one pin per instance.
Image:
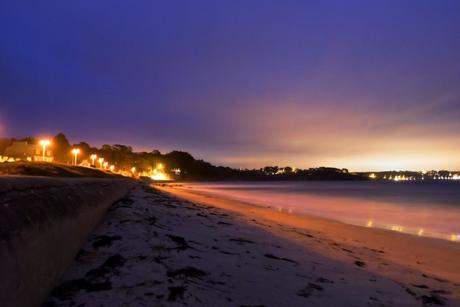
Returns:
(404, 178)
(76, 151)
(158, 172)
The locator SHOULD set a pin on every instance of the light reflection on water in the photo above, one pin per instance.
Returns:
(419, 208)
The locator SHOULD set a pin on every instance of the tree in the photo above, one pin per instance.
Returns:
(179, 159)
(61, 148)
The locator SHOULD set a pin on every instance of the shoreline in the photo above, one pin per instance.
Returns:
(429, 256)
(372, 205)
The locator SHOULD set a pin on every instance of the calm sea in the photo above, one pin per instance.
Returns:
(420, 208)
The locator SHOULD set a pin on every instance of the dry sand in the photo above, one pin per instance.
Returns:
(154, 249)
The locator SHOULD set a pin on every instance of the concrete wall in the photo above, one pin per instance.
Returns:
(43, 224)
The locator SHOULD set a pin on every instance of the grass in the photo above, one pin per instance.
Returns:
(51, 170)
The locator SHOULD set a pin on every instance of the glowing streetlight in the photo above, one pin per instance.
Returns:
(160, 166)
(112, 168)
(93, 159)
(133, 169)
(44, 143)
(106, 164)
(75, 152)
(101, 161)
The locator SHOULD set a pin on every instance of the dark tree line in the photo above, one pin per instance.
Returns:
(123, 157)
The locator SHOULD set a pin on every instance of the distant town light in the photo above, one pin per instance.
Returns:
(176, 171)
(44, 143)
(101, 161)
(112, 168)
(93, 159)
(75, 152)
(372, 176)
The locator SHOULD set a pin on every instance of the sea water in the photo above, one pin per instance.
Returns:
(424, 208)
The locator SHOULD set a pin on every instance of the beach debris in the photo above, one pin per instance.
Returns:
(180, 241)
(420, 286)
(104, 241)
(309, 290)
(360, 263)
(270, 256)
(176, 293)
(151, 220)
(187, 272)
(324, 280)
(241, 240)
(432, 299)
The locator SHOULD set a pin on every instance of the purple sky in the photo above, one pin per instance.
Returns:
(357, 84)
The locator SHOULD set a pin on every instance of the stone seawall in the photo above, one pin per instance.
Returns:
(43, 224)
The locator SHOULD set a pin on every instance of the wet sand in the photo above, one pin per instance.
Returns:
(170, 247)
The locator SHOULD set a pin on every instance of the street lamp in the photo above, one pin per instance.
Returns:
(101, 161)
(93, 159)
(44, 143)
(75, 152)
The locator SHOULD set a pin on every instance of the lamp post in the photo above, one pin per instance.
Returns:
(44, 143)
(75, 152)
(93, 159)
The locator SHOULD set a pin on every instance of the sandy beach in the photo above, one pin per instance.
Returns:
(168, 246)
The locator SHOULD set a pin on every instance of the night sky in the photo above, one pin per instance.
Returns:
(356, 84)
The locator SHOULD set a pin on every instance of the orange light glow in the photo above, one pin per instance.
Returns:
(397, 228)
(75, 152)
(44, 143)
(159, 174)
(93, 158)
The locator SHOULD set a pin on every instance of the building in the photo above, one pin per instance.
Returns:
(23, 151)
